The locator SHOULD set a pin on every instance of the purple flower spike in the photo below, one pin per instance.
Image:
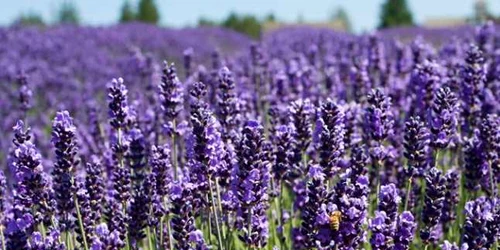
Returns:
(416, 142)
(405, 231)
(66, 150)
(117, 104)
(252, 180)
(171, 93)
(433, 204)
(331, 142)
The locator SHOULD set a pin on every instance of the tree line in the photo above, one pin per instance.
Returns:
(393, 13)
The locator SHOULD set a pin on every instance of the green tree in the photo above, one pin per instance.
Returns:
(206, 22)
(395, 13)
(270, 18)
(127, 13)
(148, 12)
(68, 14)
(246, 24)
(340, 15)
(29, 19)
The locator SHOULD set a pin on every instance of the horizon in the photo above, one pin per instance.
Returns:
(186, 13)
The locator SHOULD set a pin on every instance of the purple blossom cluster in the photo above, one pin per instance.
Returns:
(311, 139)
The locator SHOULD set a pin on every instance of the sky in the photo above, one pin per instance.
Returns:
(364, 14)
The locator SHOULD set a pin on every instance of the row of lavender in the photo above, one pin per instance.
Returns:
(312, 140)
(75, 63)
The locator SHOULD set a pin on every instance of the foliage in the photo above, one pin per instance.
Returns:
(247, 24)
(29, 19)
(148, 12)
(395, 13)
(68, 13)
(340, 15)
(127, 13)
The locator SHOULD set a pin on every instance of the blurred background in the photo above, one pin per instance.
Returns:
(254, 17)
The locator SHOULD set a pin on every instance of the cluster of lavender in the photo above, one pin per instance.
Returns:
(330, 142)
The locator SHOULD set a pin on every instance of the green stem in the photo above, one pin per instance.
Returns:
(492, 184)
(280, 217)
(174, 151)
(408, 192)
(209, 233)
(150, 238)
(249, 223)
(436, 159)
(161, 232)
(2, 238)
(214, 209)
(80, 222)
(170, 239)
(219, 204)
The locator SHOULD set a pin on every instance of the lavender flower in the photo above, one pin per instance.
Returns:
(86, 228)
(118, 104)
(282, 167)
(117, 223)
(405, 231)
(383, 226)
(433, 204)
(473, 77)
(443, 120)
(426, 77)
(94, 185)
(161, 169)
(331, 137)
(382, 233)
(182, 222)
(357, 163)
(316, 194)
(451, 197)
(416, 141)
(490, 141)
(51, 241)
(25, 93)
(17, 231)
(138, 212)
(207, 149)
(105, 239)
(474, 163)
(3, 192)
(188, 58)
(353, 205)
(360, 79)
(227, 104)
(253, 178)
(31, 187)
(171, 94)
(388, 201)
(379, 120)
(66, 149)
(300, 114)
(480, 228)
(136, 155)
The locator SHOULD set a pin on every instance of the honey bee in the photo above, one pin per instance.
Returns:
(335, 218)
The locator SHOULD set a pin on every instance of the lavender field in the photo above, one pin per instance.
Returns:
(137, 137)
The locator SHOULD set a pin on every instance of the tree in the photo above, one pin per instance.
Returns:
(270, 18)
(341, 16)
(127, 13)
(68, 14)
(395, 13)
(246, 24)
(147, 12)
(29, 19)
(206, 22)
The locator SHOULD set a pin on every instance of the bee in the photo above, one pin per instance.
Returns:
(335, 219)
